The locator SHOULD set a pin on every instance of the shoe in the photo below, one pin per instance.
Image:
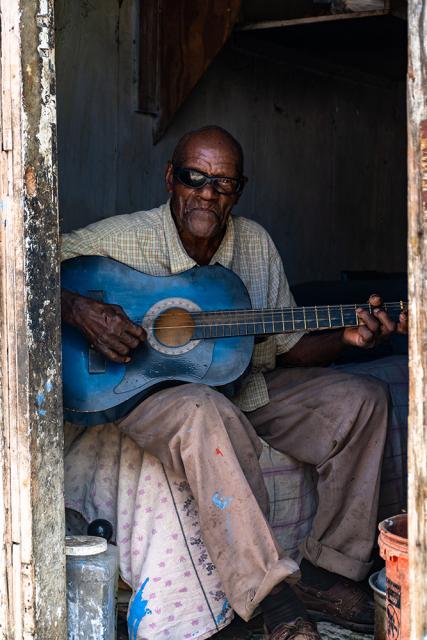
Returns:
(299, 629)
(345, 603)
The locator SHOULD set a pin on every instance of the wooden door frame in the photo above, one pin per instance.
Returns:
(417, 275)
(32, 567)
(32, 560)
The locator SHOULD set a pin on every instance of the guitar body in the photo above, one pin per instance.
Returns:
(97, 390)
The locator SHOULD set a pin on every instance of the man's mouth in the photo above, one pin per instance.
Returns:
(202, 210)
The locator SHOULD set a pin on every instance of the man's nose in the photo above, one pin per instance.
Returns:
(207, 192)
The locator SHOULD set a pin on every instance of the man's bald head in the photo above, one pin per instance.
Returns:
(211, 136)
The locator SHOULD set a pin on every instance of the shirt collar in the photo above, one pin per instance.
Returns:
(179, 258)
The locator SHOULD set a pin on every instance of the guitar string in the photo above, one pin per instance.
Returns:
(324, 308)
(246, 316)
(258, 322)
(293, 326)
(318, 307)
(390, 306)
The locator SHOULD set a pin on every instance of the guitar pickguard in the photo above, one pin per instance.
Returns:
(148, 365)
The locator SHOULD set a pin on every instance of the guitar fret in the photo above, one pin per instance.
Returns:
(258, 324)
(322, 319)
(299, 311)
(269, 328)
(305, 318)
(290, 319)
(329, 316)
(231, 325)
(342, 316)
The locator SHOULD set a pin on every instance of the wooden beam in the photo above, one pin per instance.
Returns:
(417, 267)
(184, 36)
(333, 17)
(32, 561)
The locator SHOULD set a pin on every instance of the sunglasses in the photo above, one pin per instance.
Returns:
(195, 179)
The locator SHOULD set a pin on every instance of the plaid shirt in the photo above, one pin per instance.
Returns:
(148, 241)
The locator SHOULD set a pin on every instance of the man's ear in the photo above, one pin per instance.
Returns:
(169, 177)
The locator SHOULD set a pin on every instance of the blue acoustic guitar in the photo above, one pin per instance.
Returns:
(200, 328)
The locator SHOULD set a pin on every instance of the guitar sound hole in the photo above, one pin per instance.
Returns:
(174, 327)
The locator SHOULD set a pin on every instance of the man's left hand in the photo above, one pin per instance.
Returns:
(375, 327)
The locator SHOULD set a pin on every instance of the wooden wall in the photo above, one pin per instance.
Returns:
(325, 150)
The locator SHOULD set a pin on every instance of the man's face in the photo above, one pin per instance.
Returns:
(203, 213)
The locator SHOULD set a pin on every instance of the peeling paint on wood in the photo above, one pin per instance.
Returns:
(417, 274)
(30, 182)
(32, 561)
(423, 144)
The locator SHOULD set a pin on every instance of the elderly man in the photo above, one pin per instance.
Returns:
(328, 419)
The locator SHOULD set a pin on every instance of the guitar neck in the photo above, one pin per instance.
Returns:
(254, 322)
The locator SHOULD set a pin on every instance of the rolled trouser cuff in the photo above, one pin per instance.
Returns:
(285, 570)
(327, 558)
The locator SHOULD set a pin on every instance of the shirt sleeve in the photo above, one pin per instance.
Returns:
(114, 237)
(93, 240)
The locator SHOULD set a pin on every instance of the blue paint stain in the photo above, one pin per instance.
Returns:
(137, 610)
(221, 616)
(41, 412)
(48, 386)
(40, 399)
(222, 502)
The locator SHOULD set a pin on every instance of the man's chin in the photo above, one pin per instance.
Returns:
(203, 232)
(204, 227)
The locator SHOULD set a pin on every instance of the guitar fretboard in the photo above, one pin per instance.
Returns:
(223, 324)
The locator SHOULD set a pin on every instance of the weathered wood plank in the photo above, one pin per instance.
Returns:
(417, 255)
(294, 22)
(32, 572)
(185, 37)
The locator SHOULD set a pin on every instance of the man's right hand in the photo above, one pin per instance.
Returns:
(105, 326)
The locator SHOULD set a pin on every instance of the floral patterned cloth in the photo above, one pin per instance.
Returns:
(178, 593)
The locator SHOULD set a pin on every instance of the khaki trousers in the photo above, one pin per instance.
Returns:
(332, 420)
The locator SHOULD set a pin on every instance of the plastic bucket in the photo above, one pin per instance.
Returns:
(393, 541)
(379, 602)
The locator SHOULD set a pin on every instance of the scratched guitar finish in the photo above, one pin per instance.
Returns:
(200, 328)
